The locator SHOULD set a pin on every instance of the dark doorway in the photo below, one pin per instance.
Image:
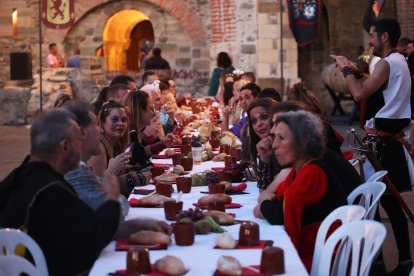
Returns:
(141, 33)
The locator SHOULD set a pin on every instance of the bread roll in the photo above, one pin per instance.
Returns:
(146, 237)
(214, 197)
(219, 157)
(229, 265)
(167, 177)
(223, 218)
(154, 199)
(169, 152)
(225, 241)
(170, 265)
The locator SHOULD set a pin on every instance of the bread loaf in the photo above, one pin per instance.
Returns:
(145, 237)
(170, 265)
(155, 200)
(225, 241)
(222, 217)
(228, 265)
(214, 197)
(219, 157)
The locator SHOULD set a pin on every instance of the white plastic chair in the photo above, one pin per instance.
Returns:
(377, 176)
(10, 238)
(11, 265)
(363, 238)
(370, 193)
(343, 214)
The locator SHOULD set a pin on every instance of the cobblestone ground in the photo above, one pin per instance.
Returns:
(14, 146)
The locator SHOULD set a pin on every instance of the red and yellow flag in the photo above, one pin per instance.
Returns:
(58, 14)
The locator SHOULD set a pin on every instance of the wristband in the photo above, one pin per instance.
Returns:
(346, 71)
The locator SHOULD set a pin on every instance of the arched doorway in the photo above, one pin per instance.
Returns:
(123, 33)
(140, 35)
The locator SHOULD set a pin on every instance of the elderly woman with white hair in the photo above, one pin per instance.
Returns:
(311, 190)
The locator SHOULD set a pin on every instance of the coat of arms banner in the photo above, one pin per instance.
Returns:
(58, 14)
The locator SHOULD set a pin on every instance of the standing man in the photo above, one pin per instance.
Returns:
(387, 91)
(75, 60)
(53, 59)
(157, 62)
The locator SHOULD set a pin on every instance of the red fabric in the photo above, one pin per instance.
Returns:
(239, 188)
(261, 245)
(154, 271)
(245, 271)
(301, 190)
(161, 156)
(227, 206)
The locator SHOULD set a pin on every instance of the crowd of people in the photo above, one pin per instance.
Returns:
(70, 193)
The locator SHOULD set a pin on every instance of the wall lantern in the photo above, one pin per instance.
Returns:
(14, 22)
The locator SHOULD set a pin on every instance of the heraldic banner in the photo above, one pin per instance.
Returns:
(58, 14)
(372, 13)
(304, 20)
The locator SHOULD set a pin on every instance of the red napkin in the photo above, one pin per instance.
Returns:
(227, 206)
(161, 156)
(217, 169)
(261, 245)
(162, 165)
(154, 271)
(133, 202)
(124, 245)
(245, 271)
(239, 188)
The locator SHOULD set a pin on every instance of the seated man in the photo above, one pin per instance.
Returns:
(36, 199)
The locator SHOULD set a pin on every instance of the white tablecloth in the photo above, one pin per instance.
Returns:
(201, 258)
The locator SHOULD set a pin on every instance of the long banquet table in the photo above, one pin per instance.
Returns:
(201, 258)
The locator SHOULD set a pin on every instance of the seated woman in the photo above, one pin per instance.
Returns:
(248, 94)
(264, 164)
(311, 190)
(138, 106)
(114, 123)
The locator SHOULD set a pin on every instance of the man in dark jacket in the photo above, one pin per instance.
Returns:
(36, 199)
(157, 62)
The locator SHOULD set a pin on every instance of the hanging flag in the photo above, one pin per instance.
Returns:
(304, 20)
(58, 14)
(372, 13)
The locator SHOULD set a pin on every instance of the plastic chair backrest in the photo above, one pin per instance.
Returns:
(12, 265)
(343, 214)
(370, 193)
(412, 272)
(377, 176)
(363, 238)
(10, 238)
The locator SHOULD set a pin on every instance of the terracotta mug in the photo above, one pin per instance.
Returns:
(187, 163)
(215, 188)
(236, 152)
(176, 159)
(215, 143)
(138, 261)
(214, 134)
(184, 233)
(172, 209)
(225, 148)
(249, 234)
(164, 189)
(272, 261)
(224, 176)
(186, 140)
(229, 160)
(184, 184)
(185, 149)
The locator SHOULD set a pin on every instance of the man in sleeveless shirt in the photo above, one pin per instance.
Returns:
(387, 91)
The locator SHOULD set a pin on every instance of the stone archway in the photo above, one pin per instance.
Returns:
(121, 50)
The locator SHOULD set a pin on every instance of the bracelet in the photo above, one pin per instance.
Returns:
(346, 71)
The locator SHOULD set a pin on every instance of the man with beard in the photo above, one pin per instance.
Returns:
(36, 199)
(387, 91)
